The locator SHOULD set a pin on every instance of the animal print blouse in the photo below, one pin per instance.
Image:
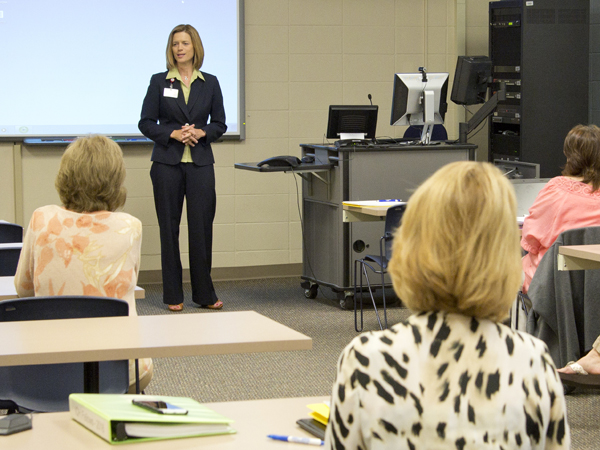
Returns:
(447, 381)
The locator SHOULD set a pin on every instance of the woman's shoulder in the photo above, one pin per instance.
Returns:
(207, 75)
(566, 185)
(49, 209)
(159, 76)
(120, 216)
(209, 78)
(404, 333)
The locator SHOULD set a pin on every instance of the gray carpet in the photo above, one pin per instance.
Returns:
(298, 373)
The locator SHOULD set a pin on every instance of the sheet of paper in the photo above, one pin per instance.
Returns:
(384, 203)
(319, 412)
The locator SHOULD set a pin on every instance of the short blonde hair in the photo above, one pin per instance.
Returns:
(91, 175)
(196, 43)
(457, 249)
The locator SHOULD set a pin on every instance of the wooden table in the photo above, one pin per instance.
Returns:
(578, 257)
(8, 291)
(117, 338)
(254, 420)
(354, 212)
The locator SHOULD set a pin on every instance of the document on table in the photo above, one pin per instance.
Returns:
(383, 203)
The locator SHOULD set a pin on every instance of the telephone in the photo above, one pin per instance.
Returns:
(281, 161)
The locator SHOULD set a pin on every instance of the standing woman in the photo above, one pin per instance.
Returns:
(175, 115)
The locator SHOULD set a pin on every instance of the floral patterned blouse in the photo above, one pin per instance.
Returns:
(69, 253)
(563, 204)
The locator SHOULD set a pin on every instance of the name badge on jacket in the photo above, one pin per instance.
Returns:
(173, 93)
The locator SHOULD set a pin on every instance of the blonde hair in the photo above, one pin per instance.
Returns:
(582, 149)
(196, 43)
(91, 175)
(457, 249)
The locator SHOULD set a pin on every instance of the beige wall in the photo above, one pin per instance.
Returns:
(477, 43)
(7, 182)
(301, 56)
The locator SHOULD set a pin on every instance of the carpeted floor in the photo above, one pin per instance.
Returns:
(298, 373)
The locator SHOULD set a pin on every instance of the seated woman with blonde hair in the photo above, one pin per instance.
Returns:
(452, 375)
(85, 247)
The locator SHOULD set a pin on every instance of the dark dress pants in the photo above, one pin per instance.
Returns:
(197, 184)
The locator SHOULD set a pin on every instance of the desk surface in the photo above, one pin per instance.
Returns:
(393, 147)
(365, 213)
(8, 291)
(591, 252)
(301, 168)
(115, 338)
(253, 421)
(578, 257)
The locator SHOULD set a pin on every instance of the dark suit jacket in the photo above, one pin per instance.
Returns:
(161, 115)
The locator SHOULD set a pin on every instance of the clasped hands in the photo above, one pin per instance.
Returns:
(188, 134)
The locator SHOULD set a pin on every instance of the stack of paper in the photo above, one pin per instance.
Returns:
(115, 419)
(317, 424)
(319, 412)
(387, 203)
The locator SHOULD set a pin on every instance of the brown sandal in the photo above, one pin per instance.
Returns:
(217, 305)
(175, 308)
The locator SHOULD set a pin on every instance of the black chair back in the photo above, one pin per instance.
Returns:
(393, 219)
(46, 387)
(439, 132)
(61, 307)
(9, 260)
(10, 232)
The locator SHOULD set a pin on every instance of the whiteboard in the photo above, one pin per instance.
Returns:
(71, 68)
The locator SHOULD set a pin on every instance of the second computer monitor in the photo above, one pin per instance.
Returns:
(471, 79)
(352, 120)
(419, 102)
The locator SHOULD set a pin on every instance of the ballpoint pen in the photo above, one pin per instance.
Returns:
(390, 200)
(298, 440)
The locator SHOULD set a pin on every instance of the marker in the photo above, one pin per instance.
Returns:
(390, 200)
(297, 440)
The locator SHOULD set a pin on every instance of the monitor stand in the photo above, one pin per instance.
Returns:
(426, 134)
(351, 136)
(427, 99)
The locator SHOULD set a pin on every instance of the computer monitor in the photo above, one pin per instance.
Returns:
(352, 122)
(420, 99)
(471, 79)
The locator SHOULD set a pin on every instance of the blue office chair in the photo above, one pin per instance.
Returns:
(439, 132)
(393, 218)
(10, 232)
(46, 387)
(9, 259)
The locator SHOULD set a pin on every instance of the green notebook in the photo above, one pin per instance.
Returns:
(115, 419)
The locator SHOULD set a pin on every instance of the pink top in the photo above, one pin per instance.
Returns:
(563, 204)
